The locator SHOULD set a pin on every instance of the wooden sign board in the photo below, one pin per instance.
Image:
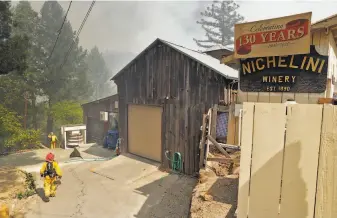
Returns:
(273, 37)
(306, 73)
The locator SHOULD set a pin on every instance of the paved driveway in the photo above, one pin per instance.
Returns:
(126, 186)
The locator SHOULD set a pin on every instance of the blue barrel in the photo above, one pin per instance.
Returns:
(113, 136)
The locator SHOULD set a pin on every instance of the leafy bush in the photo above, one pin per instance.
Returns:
(29, 186)
(67, 112)
(9, 122)
(24, 138)
(13, 134)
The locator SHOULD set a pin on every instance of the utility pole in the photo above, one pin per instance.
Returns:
(25, 95)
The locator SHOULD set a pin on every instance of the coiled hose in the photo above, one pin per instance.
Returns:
(176, 162)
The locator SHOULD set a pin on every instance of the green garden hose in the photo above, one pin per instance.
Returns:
(176, 162)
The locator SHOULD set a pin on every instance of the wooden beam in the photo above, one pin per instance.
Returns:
(214, 121)
(231, 130)
(223, 108)
(209, 115)
(210, 138)
(202, 142)
(234, 147)
(227, 59)
(325, 100)
(327, 23)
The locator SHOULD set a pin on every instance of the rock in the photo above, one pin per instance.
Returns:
(207, 197)
(236, 171)
(204, 175)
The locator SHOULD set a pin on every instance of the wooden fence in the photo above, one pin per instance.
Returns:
(288, 161)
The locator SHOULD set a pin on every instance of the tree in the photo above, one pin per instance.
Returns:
(64, 74)
(26, 23)
(13, 50)
(219, 23)
(98, 74)
(67, 112)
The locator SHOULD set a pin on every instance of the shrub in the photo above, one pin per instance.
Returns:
(13, 134)
(67, 112)
(29, 186)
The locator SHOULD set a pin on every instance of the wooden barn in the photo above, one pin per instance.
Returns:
(92, 117)
(162, 94)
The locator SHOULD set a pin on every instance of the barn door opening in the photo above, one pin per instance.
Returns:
(145, 131)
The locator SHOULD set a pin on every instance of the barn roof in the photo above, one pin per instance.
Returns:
(218, 47)
(200, 57)
(114, 97)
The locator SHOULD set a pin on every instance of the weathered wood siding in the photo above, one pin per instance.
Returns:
(325, 45)
(184, 88)
(91, 117)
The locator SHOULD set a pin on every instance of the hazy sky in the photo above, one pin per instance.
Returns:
(131, 26)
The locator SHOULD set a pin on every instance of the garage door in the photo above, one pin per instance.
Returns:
(144, 131)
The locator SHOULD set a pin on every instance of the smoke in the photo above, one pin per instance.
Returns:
(122, 29)
(125, 26)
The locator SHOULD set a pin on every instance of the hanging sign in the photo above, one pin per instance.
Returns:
(306, 73)
(274, 37)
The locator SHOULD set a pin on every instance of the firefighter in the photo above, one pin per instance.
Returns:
(50, 171)
(53, 140)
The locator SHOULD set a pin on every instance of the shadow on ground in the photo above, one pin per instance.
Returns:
(142, 159)
(225, 190)
(169, 196)
(20, 159)
(40, 193)
(98, 151)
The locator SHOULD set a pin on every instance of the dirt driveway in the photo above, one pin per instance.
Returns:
(126, 186)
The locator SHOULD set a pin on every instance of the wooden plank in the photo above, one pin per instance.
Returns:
(202, 141)
(329, 88)
(242, 96)
(302, 98)
(252, 96)
(236, 135)
(268, 143)
(325, 100)
(275, 97)
(214, 121)
(245, 159)
(313, 97)
(214, 142)
(326, 196)
(231, 125)
(223, 108)
(287, 95)
(209, 114)
(229, 146)
(263, 97)
(301, 161)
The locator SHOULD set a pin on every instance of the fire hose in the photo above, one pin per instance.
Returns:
(176, 162)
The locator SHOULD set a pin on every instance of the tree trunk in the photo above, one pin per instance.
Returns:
(34, 115)
(50, 121)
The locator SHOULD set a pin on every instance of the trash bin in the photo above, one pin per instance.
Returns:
(113, 138)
